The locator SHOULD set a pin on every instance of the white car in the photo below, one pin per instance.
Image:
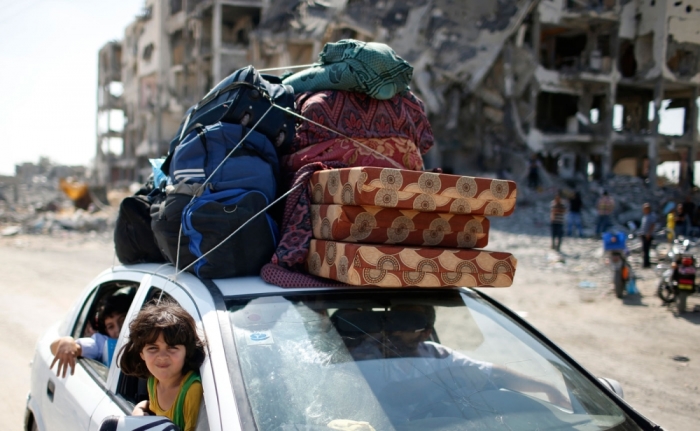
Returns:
(336, 358)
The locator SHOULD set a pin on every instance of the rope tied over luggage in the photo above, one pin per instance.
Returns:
(230, 153)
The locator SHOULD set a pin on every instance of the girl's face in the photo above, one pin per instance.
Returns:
(163, 361)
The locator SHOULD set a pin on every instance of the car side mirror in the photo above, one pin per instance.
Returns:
(140, 423)
(613, 385)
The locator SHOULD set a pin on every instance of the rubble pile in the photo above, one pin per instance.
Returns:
(38, 206)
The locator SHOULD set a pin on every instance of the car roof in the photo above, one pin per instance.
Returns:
(236, 286)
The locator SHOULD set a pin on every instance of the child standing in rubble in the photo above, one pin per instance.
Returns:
(605, 207)
(557, 214)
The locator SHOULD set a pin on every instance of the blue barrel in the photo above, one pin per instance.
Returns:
(614, 241)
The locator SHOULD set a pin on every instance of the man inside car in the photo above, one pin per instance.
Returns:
(412, 361)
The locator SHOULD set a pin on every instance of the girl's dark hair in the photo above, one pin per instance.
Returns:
(177, 327)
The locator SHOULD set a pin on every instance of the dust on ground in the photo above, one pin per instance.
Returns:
(633, 340)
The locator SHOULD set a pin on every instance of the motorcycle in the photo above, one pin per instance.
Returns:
(678, 282)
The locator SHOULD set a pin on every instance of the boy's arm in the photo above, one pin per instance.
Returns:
(65, 351)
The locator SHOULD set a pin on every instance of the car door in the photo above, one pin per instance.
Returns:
(67, 403)
(125, 391)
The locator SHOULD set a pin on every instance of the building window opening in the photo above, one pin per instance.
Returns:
(555, 112)
(618, 111)
(594, 115)
(175, 6)
(116, 89)
(177, 45)
(671, 117)
(237, 24)
(683, 63)
(670, 171)
(562, 49)
(627, 63)
(148, 52)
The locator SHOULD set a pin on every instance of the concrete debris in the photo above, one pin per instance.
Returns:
(32, 202)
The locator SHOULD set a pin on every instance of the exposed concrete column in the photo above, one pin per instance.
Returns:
(610, 99)
(535, 42)
(693, 151)
(216, 43)
(653, 140)
(606, 160)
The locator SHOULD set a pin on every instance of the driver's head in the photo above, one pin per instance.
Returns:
(407, 326)
(111, 317)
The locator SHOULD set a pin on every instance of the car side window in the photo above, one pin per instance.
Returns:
(98, 325)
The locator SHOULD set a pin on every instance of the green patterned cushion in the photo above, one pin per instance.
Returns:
(351, 65)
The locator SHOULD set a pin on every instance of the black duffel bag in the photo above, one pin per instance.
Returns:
(166, 221)
(210, 219)
(133, 237)
(243, 98)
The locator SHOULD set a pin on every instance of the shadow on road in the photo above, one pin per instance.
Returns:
(692, 316)
(635, 300)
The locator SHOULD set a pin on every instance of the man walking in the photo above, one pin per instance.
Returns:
(557, 214)
(647, 232)
(574, 217)
(605, 207)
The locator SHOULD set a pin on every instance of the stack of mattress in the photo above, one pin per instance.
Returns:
(395, 228)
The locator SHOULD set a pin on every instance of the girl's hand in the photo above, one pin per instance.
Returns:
(141, 409)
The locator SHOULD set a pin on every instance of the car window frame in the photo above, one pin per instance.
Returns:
(94, 368)
(177, 292)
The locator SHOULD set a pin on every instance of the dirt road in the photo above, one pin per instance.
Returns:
(633, 341)
(41, 277)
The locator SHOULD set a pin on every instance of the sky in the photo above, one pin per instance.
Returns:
(48, 76)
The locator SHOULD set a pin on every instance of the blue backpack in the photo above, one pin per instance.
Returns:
(243, 185)
(253, 166)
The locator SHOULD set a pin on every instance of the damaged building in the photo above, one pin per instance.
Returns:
(580, 83)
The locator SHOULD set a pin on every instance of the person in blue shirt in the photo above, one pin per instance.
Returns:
(99, 345)
(646, 230)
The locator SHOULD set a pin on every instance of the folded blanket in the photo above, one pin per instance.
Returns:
(389, 153)
(358, 115)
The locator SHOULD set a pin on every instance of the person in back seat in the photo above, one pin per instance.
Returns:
(100, 345)
(407, 330)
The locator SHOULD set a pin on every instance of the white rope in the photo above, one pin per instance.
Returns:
(262, 211)
(236, 147)
(179, 236)
(288, 67)
(206, 181)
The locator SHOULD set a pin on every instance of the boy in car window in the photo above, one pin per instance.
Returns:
(100, 345)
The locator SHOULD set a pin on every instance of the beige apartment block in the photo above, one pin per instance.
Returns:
(581, 83)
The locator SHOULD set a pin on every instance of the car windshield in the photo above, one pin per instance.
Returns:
(405, 360)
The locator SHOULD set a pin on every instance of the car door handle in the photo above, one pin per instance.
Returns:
(50, 388)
